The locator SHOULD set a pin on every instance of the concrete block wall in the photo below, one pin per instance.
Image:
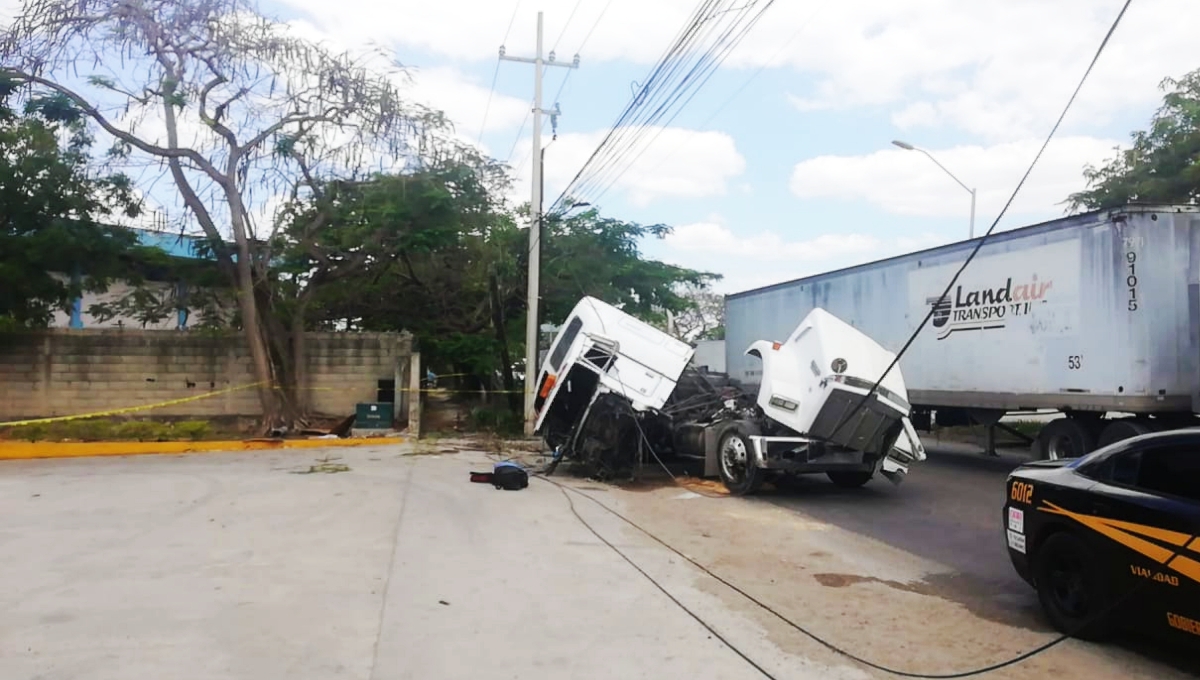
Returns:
(67, 372)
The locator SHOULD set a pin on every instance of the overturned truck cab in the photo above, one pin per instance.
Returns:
(615, 391)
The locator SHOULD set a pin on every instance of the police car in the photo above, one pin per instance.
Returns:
(1112, 539)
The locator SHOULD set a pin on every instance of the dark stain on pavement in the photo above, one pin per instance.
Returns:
(981, 599)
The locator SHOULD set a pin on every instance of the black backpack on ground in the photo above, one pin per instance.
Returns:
(505, 475)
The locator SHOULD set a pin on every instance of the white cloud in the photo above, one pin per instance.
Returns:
(995, 67)
(907, 183)
(1002, 69)
(666, 163)
(751, 260)
(464, 102)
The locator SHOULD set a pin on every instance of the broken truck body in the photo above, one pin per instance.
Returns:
(614, 391)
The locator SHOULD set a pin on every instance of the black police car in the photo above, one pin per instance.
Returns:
(1112, 539)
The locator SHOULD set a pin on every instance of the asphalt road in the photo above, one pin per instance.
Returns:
(949, 510)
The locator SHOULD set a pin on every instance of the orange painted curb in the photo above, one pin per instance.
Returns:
(31, 450)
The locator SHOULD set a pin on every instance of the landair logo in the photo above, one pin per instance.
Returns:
(986, 309)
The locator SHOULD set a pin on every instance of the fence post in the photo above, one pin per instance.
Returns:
(414, 395)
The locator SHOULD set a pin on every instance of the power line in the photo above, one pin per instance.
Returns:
(684, 37)
(662, 589)
(496, 74)
(746, 83)
(710, 69)
(974, 251)
(520, 131)
(669, 82)
(1113, 608)
(582, 45)
(554, 47)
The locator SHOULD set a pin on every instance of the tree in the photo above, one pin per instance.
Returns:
(52, 246)
(587, 254)
(244, 109)
(704, 319)
(1163, 163)
(450, 266)
(350, 248)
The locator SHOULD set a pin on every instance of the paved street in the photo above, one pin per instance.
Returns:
(233, 566)
(948, 510)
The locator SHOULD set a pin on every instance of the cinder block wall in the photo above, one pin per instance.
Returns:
(66, 372)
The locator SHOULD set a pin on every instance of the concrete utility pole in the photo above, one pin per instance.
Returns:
(535, 219)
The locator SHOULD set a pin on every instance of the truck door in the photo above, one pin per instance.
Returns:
(1147, 505)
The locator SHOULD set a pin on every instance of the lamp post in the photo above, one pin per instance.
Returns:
(909, 147)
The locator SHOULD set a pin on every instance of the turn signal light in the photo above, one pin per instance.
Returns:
(548, 385)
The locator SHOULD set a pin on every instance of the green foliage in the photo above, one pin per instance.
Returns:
(192, 429)
(49, 208)
(433, 253)
(504, 422)
(1163, 163)
(99, 429)
(587, 254)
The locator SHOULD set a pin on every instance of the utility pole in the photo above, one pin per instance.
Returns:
(535, 219)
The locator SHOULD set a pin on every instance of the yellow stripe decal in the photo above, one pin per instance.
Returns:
(1155, 552)
(1119, 532)
(1164, 535)
(1186, 566)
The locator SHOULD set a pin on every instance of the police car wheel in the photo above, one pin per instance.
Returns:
(1072, 591)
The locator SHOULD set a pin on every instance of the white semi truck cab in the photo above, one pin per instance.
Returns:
(614, 389)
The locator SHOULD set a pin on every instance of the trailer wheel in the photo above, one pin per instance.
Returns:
(1119, 430)
(737, 470)
(849, 479)
(1066, 438)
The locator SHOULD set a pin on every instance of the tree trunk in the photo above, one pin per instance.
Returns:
(252, 324)
(510, 384)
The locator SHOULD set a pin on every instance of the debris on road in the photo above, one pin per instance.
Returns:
(505, 475)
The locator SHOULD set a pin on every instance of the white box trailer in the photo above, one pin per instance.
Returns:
(1092, 315)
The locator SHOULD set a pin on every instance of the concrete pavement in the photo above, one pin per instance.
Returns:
(231, 566)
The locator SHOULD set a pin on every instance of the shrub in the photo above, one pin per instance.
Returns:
(193, 429)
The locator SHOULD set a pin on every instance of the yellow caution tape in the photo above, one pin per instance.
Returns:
(129, 409)
(206, 395)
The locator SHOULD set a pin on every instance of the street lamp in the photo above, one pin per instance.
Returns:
(909, 147)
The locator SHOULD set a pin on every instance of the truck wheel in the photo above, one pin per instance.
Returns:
(1065, 438)
(1120, 430)
(737, 471)
(1071, 589)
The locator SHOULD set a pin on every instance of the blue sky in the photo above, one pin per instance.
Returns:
(796, 175)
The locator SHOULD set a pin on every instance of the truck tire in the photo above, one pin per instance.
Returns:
(1072, 589)
(738, 473)
(1120, 430)
(1065, 438)
(849, 479)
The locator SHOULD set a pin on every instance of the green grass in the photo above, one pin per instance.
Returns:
(102, 430)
